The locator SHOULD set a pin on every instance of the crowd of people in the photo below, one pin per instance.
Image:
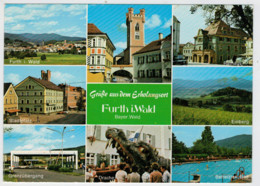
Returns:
(152, 174)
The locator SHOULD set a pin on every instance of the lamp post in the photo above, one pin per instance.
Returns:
(62, 135)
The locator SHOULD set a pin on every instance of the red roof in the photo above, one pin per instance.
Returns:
(47, 84)
(153, 46)
(93, 29)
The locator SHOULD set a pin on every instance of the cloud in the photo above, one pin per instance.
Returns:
(123, 25)
(9, 19)
(13, 78)
(18, 27)
(44, 23)
(65, 31)
(76, 9)
(153, 22)
(60, 77)
(25, 147)
(36, 12)
(167, 24)
(120, 45)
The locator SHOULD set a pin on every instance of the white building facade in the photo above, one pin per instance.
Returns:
(153, 62)
(157, 136)
(187, 51)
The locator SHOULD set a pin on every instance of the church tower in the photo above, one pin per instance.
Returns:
(135, 33)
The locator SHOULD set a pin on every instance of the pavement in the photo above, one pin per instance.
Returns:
(121, 79)
(203, 64)
(42, 175)
(70, 118)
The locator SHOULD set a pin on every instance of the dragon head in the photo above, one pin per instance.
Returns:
(117, 139)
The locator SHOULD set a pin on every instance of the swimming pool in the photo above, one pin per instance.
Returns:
(216, 172)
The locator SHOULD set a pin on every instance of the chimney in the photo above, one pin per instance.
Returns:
(46, 76)
(160, 36)
(42, 74)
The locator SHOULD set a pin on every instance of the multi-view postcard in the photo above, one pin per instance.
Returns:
(42, 34)
(44, 95)
(131, 44)
(128, 93)
(214, 35)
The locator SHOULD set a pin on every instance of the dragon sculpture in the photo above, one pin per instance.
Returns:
(138, 153)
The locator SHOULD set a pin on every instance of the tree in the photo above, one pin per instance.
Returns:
(5, 55)
(240, 16)
(206, 136)
(199, 104)
(206, 144)
(43, 57)
(74, 50)
(7, 129)
(228, 107)
(178, 147)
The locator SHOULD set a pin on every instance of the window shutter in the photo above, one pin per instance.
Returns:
(98, 132)
(144, 137)
(127, 133)
(153, 141)
(139, 137)
(98, 159)
(107, 159)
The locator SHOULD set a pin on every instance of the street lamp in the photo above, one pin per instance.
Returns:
(62, 134)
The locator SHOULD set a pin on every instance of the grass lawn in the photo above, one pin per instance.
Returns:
(9, 179)
(198, 116)
(68, 173)
(51, 59)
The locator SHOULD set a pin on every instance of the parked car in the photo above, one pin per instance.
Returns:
(63, 112)
(248, 61)
(114, 79)
(239, 61)
(229, 62)
(179, 60)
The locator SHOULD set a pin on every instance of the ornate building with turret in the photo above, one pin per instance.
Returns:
(218, 42)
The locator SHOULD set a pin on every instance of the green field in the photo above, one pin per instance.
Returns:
(51, 59)
(198, 116)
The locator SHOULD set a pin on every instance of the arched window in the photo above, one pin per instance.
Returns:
(93, 60)
(137, 27)
(94, 43)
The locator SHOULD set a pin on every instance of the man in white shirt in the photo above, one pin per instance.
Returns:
(121, 175)
(146, 175)
(166, 177)
(134, 176)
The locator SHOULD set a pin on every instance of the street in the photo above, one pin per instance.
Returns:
(122, 79)
(72, 117)
(42, 175)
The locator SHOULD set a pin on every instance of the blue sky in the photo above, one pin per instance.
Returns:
(111, 19)
(31, 137)
(208, 73)
(68, 20)
(72, 75)
(190, 23)
(189, 134)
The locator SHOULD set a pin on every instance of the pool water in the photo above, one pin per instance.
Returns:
(217, 172)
